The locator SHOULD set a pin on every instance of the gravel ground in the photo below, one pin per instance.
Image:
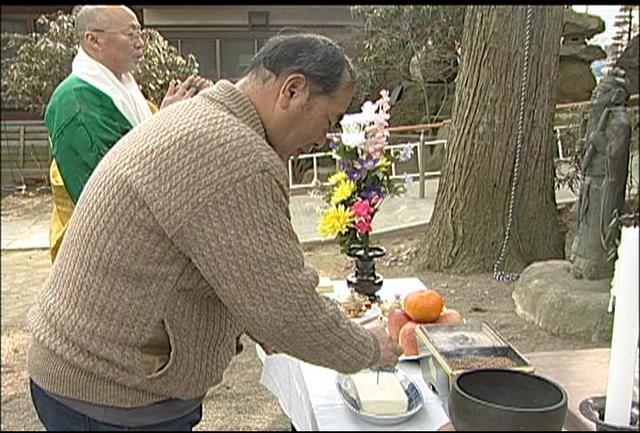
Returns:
(240, 402)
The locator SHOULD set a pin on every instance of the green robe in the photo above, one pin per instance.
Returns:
(83, 124)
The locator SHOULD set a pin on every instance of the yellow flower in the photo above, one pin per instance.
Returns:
(335, 219)
(337, 178)
(383, 162)
(342, 191)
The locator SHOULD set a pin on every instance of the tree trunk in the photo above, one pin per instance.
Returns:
(471, 209)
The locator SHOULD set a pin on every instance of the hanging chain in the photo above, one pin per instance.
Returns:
(498, 274)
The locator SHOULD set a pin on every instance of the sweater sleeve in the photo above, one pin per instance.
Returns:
(245, 247)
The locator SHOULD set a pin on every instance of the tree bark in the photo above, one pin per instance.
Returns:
(471, 209)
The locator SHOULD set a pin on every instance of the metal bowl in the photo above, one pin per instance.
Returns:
(592, 408)
(501, 399)
(349, 394)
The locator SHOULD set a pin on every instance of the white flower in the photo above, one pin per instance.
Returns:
(369, 111)
(353, 133)
(355, 138)
(350, 120)
(354, 126)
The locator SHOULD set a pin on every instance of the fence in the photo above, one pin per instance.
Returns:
(400, 141)
(26, 153)
(564, 135)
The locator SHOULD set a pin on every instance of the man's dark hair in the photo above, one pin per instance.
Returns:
(316, 57)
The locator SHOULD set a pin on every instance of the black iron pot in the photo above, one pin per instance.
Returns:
(502, 399)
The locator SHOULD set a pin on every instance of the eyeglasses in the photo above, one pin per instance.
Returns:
(132, 34)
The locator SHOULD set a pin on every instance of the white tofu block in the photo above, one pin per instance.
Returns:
(387, 397)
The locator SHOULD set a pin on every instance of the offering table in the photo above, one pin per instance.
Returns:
(308, 395)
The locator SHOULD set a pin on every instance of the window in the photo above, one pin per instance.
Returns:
(205, 52)
(14, 25)
(235, 56)
(175, 43)
(226, 57)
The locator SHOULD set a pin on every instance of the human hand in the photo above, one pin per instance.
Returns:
(180, 91)
(389, 349)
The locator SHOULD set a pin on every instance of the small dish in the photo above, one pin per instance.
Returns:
(371, 314)
(413, 357)
(348, 392)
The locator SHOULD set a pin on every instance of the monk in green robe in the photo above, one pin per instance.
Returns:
(97, 104)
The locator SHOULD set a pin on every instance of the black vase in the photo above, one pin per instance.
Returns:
(365, 280)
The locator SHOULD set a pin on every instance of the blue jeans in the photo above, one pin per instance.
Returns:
(55, 416)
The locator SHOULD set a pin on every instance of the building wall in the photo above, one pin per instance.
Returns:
(220, 16)
(224, 38)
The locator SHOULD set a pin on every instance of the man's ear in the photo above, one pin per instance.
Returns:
(91, 40)
(294, 91)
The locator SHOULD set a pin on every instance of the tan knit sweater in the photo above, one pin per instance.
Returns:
(184, 224)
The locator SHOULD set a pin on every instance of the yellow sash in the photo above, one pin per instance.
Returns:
(62, 210)
(63, 205)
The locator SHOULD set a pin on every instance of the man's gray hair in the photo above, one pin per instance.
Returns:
(317, 57)
(89, 17)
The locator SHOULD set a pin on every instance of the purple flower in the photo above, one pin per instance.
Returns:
(373, 193)
(408, 180)
(406, 153)
(368, 162)
(352, 173)
(334, 143)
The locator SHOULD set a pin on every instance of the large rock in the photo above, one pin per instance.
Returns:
(630, 61)
(575, 78)
(575, 81)
(584, 52)
(578, 24)
(547, 295)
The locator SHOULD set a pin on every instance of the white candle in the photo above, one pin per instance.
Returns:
(624, 342)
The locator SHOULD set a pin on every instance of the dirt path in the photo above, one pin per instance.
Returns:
(240, 402)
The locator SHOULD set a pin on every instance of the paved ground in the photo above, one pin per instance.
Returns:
(239, 402)
(30, 230)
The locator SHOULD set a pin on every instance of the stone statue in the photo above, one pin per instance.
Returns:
(604, 172)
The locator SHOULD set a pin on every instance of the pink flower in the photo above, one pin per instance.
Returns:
(363, 226)
(375, 145)
(380, 124)
(384, 100)
(362, 209)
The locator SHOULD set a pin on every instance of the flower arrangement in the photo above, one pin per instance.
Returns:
(363, 180)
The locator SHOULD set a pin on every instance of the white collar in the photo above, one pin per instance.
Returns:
(125, 93)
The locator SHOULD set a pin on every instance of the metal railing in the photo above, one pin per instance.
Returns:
(399, 140)
(560, 133)
(417, 150)
(25, 152)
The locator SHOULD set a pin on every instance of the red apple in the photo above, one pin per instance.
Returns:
(450, 317)
(396, 318)
(407, 339)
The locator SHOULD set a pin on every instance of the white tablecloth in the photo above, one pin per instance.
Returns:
(308, 395)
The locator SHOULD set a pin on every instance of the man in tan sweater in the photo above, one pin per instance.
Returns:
(182, 241)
